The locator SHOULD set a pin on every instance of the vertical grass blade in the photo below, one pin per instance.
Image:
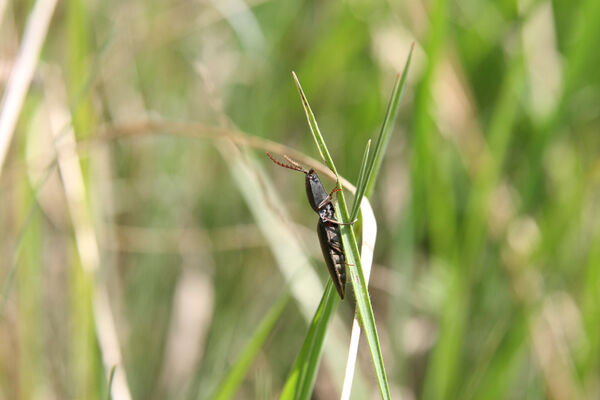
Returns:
(314, 128)
(361, 184)
(388, 126)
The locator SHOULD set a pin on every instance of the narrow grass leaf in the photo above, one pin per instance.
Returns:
(301, 379)
(239, 369)
(359, 285)
(388, 125)
(314, 128)
(361, 184)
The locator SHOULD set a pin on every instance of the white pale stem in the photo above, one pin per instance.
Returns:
(22, 72)
(85, 236)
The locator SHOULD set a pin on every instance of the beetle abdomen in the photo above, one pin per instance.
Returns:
(331, 246)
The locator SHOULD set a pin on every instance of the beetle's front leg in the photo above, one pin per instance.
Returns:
(333, 221)
(328, 198)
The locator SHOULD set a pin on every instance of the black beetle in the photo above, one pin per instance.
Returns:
(328, 227)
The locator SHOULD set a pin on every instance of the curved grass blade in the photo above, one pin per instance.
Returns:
(387, 128)
(369, 233)
(365, 310)
(238, 371)
(363, 301)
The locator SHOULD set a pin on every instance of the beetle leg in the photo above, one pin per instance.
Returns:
(328, 198)
(333, 221)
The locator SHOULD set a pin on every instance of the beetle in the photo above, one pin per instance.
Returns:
(328, 228)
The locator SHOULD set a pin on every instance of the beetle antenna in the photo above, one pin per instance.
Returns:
(293, 165)
(300, 168)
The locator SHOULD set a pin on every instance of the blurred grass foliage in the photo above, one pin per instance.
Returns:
(486, 283)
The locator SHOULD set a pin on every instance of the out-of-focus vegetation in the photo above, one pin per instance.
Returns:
(139, 218)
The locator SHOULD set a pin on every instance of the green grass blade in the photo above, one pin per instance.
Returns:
(314, 128)
(301, 379)
(388, 125)
(365, 310)
(361, 183)
(239, 369)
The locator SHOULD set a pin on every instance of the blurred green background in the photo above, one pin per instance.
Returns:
(141, 245)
